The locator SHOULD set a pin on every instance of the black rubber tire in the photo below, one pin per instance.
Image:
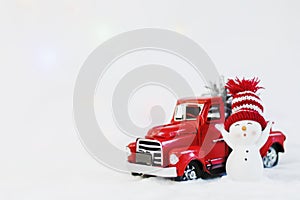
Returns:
(192, 171)
(271, 159)
(136, 174)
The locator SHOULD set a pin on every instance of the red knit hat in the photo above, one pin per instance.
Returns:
(246, 105)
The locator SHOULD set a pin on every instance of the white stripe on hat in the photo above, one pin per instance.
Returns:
(247, 106)
(245, 92)
(244, 98)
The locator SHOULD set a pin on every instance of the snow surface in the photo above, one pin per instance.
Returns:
(43, 45)
(92, 181)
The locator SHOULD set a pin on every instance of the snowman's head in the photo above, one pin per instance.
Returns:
(245, 132)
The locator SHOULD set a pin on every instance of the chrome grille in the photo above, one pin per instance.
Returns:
(153, 147)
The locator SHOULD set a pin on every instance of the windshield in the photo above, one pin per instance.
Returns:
(187, 111)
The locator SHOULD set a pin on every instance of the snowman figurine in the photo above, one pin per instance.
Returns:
(245, 131)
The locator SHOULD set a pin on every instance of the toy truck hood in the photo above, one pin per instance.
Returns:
(170, 131)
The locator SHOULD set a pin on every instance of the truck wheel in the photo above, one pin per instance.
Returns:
(271, 159)
(191, 172)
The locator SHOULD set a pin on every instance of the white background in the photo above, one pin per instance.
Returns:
(43, 45)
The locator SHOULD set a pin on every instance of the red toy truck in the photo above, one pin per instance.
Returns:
(190, 147)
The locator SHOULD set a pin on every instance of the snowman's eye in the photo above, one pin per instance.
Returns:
(236, 124)
(249, 123)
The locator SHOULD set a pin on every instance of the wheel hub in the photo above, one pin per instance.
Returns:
(271, 157)
(190, 173)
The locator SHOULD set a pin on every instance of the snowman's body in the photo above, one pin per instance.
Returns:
(245, 163)
(245, 139)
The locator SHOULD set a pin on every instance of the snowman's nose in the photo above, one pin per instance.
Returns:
(244, 128)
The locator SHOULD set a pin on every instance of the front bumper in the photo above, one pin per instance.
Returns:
(151, 170)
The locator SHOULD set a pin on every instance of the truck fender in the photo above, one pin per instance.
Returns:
(275, 139)
(185, 157)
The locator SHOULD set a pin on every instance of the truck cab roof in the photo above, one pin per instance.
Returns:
(200, 99)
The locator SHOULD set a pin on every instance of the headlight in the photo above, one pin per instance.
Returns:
(173, 159)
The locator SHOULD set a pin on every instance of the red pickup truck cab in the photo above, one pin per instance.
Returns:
(190, 146)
